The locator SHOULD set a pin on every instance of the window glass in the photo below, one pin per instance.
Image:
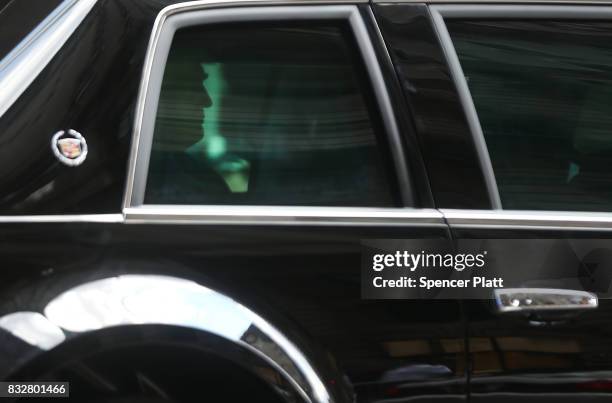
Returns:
(543, 93)
(267, 114)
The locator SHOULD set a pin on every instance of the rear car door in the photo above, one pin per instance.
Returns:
(530, 91)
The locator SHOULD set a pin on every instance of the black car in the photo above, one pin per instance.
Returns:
(186, 189)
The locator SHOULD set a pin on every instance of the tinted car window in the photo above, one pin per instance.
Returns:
(543, 93)
(266, 115)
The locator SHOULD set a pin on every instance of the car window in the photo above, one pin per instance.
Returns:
(543, 94)
(267, 114)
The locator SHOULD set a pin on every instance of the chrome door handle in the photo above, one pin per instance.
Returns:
(543, 299)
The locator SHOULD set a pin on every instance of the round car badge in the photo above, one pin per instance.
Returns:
(69, 147)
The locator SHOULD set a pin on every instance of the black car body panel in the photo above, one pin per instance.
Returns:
(444, 136)
(70, 237)
(303, 280)
(92, 84)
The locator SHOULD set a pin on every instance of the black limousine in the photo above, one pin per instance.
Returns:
(185, 188)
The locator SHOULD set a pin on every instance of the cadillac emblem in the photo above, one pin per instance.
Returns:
(69, 147)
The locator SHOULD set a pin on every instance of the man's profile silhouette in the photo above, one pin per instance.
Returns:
(176, 176)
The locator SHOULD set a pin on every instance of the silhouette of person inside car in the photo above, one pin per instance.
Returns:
(177, 175)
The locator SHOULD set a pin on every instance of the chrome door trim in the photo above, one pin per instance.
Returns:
(469, 109)
(159, 43)
(519, 219)
(24, 63)
(530, 11)
(248, 215)
(283, 215)
(63, 218)
(337, 216)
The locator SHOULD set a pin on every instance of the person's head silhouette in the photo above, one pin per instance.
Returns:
(182, 101)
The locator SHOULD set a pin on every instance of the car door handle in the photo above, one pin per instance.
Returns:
(534, 300)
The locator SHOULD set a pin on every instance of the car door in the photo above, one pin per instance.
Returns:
(267, 145)
(529, 89)
(293, 119)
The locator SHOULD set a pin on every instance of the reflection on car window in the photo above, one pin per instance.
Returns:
(543, 93)
(266, 115)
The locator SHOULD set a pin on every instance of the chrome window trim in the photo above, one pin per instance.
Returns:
(283, 215)
(20, 67)
(531, 11)
(63, 218)
(528, 219)
(248, 215)
(469, 109)
(336, 216)
(133, 207)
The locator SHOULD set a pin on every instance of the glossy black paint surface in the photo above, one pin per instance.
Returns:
(305, 280)
(18, 18)
(420, 188)
(445, 139)
(90, 86)
(538, 358)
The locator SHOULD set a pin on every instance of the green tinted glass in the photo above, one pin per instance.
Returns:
(543, 93)
(266, 115)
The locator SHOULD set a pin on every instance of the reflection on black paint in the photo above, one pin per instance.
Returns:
(445, 140)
